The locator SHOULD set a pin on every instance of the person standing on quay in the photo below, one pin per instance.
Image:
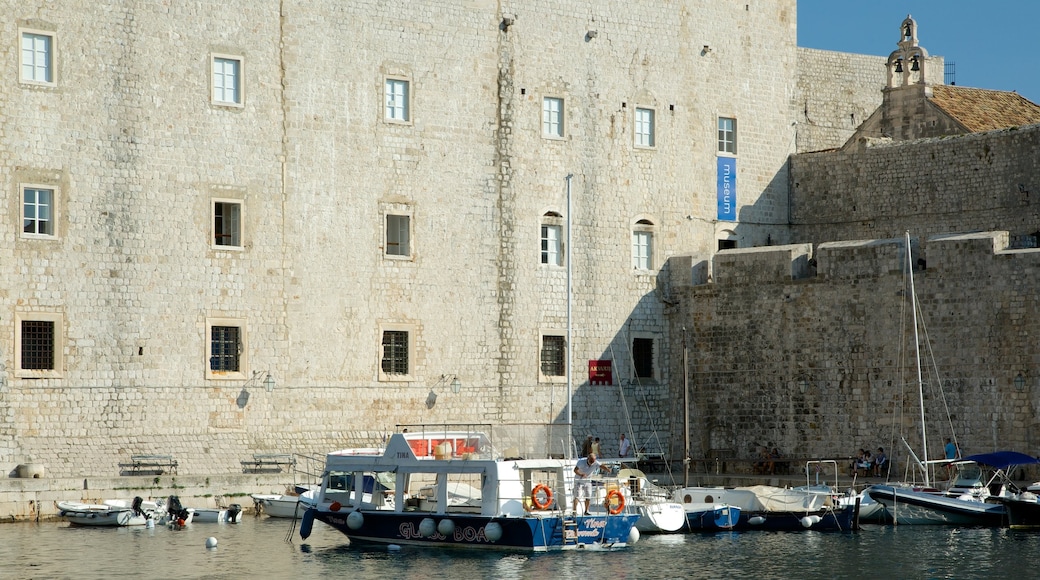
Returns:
(624, 446)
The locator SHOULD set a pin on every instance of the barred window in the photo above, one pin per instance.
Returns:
(554, 363)
(37, 345)
(395, 352)
(225, 349)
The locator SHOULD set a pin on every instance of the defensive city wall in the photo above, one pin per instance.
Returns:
(812, 350)
(976, 182)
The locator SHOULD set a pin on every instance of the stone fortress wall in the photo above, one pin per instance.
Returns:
(812, 350)
(137, 153)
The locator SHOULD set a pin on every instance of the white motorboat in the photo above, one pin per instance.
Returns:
(110, 513)
(280, 506)
(231, 515)
(658, 513)
(769, 508)
(452, 489)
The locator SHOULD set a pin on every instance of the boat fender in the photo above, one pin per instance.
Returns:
(756, 520)
(493, 532)
(307, 524)
(615, 502)
(355, 520)
(808, 521)
(446, 527)
(541, 496)
(427, 527)
(335, 507)
(633, 535)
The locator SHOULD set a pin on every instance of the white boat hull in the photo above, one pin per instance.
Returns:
(111, 513)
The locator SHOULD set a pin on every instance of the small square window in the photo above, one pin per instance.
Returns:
(395, 352)
(644, 127)
(551, 250)
(642, 250)
(227, 224)
(397, 235)
(643, 358)
(552, 117)
(227, 80)
(554, 360)
(37, 57)
(727, 135)
(39, 345)
(38, 211)
(397, 105)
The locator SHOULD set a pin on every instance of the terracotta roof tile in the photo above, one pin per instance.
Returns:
(985, 110)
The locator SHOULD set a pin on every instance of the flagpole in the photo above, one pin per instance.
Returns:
(569, 255)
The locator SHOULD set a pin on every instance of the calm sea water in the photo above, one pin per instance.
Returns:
(258, 548)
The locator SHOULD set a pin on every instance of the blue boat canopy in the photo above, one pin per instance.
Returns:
(1002, 459)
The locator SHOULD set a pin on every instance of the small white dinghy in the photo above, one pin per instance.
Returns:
(230, 515)
(111, 513)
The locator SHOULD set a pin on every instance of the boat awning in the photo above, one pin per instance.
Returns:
(1002, 459)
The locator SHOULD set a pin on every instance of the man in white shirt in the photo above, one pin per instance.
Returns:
(584, 471)
(624, 445)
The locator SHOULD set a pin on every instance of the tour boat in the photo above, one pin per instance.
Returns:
(453, 489)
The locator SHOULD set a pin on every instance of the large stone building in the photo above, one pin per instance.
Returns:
(291, 226)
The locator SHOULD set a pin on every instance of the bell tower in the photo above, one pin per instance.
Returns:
(906, 65)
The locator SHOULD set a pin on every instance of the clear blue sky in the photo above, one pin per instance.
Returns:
(994, 44)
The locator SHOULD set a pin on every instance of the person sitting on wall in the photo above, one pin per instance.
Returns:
(774, 456)
(761, 466)
(880, 463)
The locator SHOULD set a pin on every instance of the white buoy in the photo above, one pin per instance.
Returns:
(211, 542)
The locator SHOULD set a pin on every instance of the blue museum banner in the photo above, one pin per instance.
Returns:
(727, 188)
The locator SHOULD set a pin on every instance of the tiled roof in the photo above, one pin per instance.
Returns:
(985, 110)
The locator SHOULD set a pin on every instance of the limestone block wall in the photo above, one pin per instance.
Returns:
(823, 366)
(983, 181)
(138, 153)
(837, 92)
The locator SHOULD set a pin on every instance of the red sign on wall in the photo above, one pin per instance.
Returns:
(600, 373)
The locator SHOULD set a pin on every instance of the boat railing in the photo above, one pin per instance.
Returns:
(487, 441)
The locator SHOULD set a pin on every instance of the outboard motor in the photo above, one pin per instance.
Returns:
(176, 510)
(136, 505)
(234, 512)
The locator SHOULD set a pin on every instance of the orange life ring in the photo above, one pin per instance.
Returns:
(544, 490)
(618, 498)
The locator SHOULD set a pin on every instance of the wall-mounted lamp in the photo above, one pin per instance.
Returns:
(456, 386)
(803, 385)
(269, 382)
(1020, 382)
(450, 381)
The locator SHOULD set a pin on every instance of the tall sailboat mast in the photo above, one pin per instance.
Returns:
(917, 357)
(569, 256)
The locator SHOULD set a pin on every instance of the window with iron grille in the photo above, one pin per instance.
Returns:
(554, 363)
(395, 352)
(225, 349)
(37, 345)
(643, 357)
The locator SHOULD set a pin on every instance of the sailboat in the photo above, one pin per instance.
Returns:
(964, 502)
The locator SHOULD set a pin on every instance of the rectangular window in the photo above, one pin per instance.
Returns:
(554, 363)
(644, 127)
(37, 57)
(643, 357)
(227, 80)
(397, 235)
(395, 352)
(551, 245)
(727, 135)
(227, 223)
(38, 211)
(38, 345)
(552, 117)
(397, 100)
(225, 349)
(642, 250)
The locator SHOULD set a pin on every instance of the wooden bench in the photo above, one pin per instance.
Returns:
(270, 462)
(152, 464)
